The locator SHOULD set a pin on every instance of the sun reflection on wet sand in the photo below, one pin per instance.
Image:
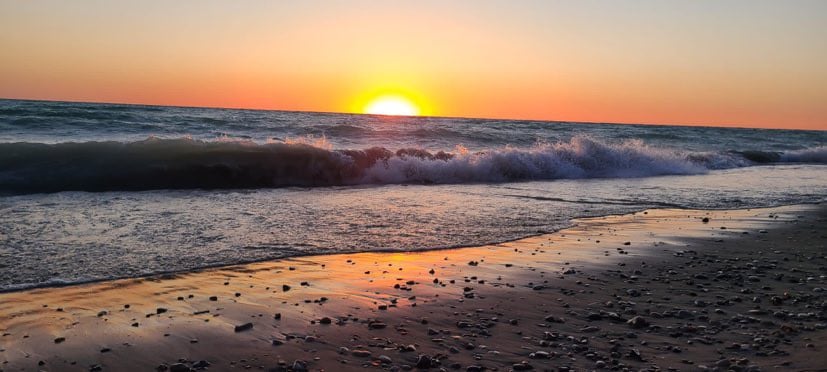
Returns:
(176, 313)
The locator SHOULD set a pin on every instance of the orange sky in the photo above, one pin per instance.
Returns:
(736, 62)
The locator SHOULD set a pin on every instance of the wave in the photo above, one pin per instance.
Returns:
(230, 163)
(811, 155)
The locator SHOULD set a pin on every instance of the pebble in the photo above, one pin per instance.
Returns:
(522, 366)
(243, 327)
(361, 353)
(299, 366)
(386, 359)
(376, 325)
(638, 322)
(554, 319)
(201, 364)
(179, 367)
(424, 362)
(684, 314)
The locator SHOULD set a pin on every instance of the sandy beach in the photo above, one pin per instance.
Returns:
(661, 289)
(465, 185)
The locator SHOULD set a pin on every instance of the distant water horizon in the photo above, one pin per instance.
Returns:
(733, 125)
(95, 191)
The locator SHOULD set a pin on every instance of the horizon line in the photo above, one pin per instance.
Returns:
(699, 125)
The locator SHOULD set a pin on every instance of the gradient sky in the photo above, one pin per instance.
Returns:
(741, 63)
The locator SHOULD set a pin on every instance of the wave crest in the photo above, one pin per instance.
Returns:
(811, 155)
(227, 163)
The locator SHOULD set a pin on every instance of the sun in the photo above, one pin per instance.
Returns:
(392, 105)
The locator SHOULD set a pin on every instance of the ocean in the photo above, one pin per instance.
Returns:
(99, 191)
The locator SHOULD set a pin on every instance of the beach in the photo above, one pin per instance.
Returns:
(494, 185)
(658, 289)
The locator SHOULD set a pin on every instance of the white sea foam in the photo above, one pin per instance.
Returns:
(810, 155)
(307, 161)
(580, 157)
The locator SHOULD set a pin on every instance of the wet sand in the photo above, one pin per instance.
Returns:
(659, 289)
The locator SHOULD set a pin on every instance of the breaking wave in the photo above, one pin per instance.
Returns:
(811, 155)
(226, 164)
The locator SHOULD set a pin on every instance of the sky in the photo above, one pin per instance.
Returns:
(746, 63)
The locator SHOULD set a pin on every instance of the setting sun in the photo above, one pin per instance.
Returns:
(392, 105)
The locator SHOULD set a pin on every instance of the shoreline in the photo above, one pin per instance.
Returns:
(563, 299)
(161, 275)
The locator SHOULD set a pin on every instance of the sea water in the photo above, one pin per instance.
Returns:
(98, 191)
